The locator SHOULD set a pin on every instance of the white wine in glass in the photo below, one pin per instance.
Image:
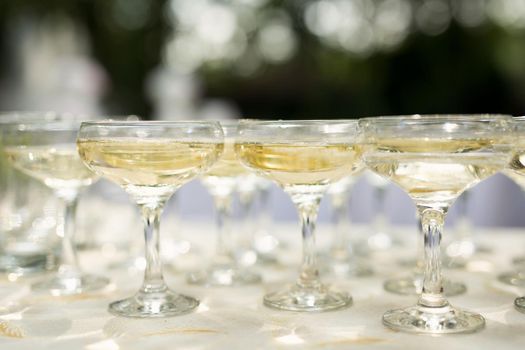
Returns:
(434, 159)
(47, 152)
(150, 161)
(58, 166)
(26, 207)
(222, 180)
(304, 158)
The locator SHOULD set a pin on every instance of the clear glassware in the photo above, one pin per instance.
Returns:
(151, 160)
(27, 211)
(381, 238)
(434, 159)
(412, 284)
(304, 158)
(267, 245)
(222, 180)
(245, 234)
(342, 259)
(46, 151)
(464, 250)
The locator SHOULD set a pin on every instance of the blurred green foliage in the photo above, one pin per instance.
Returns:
(462, 70)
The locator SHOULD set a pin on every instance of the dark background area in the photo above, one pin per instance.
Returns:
(461, 69)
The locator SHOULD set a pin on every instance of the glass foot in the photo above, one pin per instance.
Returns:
(419, 319)
(519, 303)
(223, 276)
(59, 285)
(411, 285)
(351, 269)
(308, 299)
(514, 278)
(149, 305)
(24, 264)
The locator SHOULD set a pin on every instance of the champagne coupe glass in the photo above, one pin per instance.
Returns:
(434, 159)
(150, 161)
(516, 171)
(342, 255)
(27, 210)
(304, 158)
(47, 152)
(221, 181)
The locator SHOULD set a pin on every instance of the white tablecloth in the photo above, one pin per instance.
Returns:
(234, 318)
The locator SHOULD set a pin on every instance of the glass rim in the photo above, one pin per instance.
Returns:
(42, 125)
(32, 117)
(143, 123)
(299, 122)
(451, 117)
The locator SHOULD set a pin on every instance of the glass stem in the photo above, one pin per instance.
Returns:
(223, 213)
(420, 249)
(247, 201)
(432, 221)
(153, 280)
(309, 274)
(380, 219)
(67, 227)
(341, 246)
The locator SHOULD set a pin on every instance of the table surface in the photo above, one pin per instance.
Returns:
(234, 318)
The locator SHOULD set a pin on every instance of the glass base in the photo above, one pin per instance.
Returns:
(351, 269)
(223, 276)
(514, 278)
(411, 285)
(59, 285)
(24, 264)
(152, 305)
(519, 303)
(308, 299)
(419, 319)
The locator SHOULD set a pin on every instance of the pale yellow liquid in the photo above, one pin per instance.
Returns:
(434, 170)
(58, 166)
(228, 165)
(149, 163)
(300, 164)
